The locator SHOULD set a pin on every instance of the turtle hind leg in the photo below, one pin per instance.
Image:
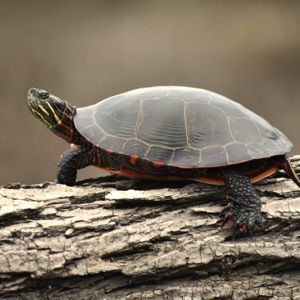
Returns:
(244, 209)
(72, 160)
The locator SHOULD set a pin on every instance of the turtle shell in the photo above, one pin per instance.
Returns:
(180, 126)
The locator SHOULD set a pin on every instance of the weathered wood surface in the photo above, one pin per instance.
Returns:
(121, 239)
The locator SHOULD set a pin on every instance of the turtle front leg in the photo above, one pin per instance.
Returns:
(245, 207)
(72, 160)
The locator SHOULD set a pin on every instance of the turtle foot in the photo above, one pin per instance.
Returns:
(243, 219)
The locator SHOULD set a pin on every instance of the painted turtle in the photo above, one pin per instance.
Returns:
(170, 133)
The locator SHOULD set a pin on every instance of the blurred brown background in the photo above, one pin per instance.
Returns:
(84, 51)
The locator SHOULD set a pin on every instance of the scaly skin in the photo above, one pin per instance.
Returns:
(245, 206)
(72, 160)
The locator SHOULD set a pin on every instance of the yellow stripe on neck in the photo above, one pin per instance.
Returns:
(57, 119)
(43, 109)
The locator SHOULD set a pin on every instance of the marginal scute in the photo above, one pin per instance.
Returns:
(135, 147)
(186, 156)
(213, 155)
(160, 154)
(237, 152)
(180, 126)
(270, 146)
(113, 143)
(256, 150)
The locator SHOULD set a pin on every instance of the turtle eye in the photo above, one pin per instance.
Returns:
(44, 95)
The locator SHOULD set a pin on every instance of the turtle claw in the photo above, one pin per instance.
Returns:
(226, 215)
(224, 220)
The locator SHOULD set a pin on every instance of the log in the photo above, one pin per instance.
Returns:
(115, 238)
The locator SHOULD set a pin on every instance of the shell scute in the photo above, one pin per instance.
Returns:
(117, 119)
(242, 128)
(206, 126)
(162, 122)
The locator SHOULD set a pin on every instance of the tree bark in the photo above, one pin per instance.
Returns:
(114, 238)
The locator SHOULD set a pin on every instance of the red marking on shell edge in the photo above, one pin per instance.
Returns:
(157, 164)
(185, 167)
(133, 159)
(171, 165)
(110, 151)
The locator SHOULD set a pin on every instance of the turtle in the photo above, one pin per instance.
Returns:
(171, 133)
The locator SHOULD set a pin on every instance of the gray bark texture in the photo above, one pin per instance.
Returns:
(113, 238)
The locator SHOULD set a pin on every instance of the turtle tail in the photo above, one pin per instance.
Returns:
(286, 165)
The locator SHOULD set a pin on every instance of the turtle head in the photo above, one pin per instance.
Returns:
(55, 113)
